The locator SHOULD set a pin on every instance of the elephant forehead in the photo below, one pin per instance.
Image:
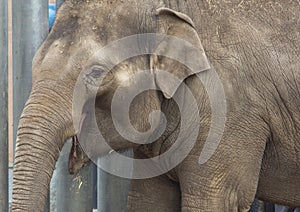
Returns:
(112, 21)
(64, 56)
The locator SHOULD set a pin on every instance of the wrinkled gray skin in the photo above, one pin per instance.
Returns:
(253, 45)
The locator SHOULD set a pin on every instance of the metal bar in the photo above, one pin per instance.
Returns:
(30, 28)
(71, 192)
(3, 106)
(257, 206)
(268, 207)
(95, 194)
(112, 190)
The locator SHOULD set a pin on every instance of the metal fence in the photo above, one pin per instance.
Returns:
(100, 190)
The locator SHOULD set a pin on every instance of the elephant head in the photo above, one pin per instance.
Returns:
(66, 68)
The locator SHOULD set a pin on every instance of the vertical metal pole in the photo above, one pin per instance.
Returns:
(257, 206)
(3, 106)
(268, 207)
(112, 190)
(73, 192)
(30, 28)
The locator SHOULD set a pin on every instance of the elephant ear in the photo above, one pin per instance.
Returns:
(181, 26)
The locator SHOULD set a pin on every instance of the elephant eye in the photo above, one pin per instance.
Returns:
(92, 77)
(95, 73)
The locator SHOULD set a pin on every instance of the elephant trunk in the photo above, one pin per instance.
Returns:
(42, 130)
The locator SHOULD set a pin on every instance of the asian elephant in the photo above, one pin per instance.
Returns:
(253, 46)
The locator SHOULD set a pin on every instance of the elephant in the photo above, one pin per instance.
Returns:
(253, 47)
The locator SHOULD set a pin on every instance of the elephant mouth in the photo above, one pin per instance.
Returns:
(83, 149)
(77, 156)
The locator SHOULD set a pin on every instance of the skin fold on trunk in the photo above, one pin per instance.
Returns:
(41, 134)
